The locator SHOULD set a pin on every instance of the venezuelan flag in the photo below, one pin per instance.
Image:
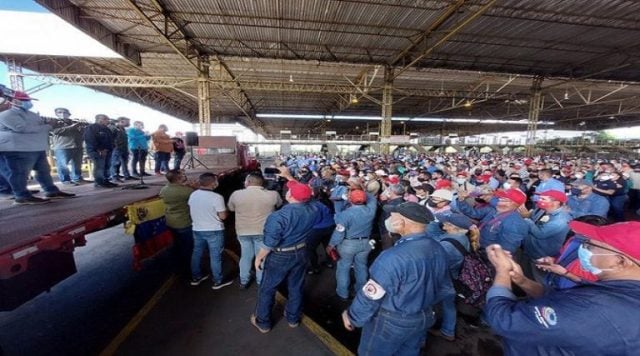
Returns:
(148, 226)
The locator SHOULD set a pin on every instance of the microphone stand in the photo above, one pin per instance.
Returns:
(140, 185)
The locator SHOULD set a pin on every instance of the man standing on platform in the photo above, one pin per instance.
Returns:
(99, 141)
(163, 146)
(120, 155)
(284, 256)
(394, 307)
(252, 205)
(179, 150)
(67, 144)
(208, 213)
(23, 145)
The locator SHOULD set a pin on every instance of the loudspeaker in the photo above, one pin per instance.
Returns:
(191, 138)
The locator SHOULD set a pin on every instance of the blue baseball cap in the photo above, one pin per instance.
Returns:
(459, 220)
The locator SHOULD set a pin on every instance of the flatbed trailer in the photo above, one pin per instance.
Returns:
(37, 241)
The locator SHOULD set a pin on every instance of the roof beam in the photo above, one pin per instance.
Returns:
(75, 16)
(194, 50)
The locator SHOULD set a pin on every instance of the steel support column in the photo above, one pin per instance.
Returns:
(204, 97)
(16, 77)
(535, 105)
(387, 106)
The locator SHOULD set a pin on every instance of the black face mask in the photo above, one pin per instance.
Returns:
(432, 204)
(480, 200)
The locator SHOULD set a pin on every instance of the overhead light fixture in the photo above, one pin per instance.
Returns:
(566, 94)
(328, 120)
(467, 104)
(353, 99)
(612, 117)
(291, 78)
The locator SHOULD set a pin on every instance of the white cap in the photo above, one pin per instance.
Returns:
(443, 194)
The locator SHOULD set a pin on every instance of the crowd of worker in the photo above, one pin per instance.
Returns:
(562, 263)
(117, 152)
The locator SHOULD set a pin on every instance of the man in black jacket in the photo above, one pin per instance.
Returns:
(98, 139)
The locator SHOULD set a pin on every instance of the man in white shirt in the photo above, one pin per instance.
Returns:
(207, 213)
(252, 206)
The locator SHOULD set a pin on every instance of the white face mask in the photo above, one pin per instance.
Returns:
(506, 185)
(460, 180)
(579, 175)
(388, 224)
(605, 177)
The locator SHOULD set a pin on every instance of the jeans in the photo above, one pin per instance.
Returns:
(101, 165)
(138, 157)
(119, 158)
(449, 313)
(162, 161)
(177, 160)
(249, 245)
(5, 187)
(351, 252)
(215, 241)
(182, 248)
(65, 157)
(617, 206)
(394, 334)
(316, 237)
(278, 267)
(16, 167)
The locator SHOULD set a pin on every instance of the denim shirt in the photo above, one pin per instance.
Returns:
(414, 276)
(454, 257)
(593, 204)
(325, 217)
(546, 238)
(290, 225)
(594, 319)
(355, 221)
(337, 192)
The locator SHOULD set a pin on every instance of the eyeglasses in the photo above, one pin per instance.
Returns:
(586, 244)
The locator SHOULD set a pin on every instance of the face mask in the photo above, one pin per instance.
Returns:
(26, 105)
(576, 192)
(480, 200)
(460, 180)
(605, 177)
(432, 204)
(585, 260)
(390, 226)
(579, 175)
(543, 205)
(506, 185)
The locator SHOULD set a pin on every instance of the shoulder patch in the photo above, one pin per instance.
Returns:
(340, 228)
(373, 290)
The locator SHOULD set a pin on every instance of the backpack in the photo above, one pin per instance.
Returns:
(475, 278)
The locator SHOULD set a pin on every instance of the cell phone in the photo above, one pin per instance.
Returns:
(544, 263)
(270, 170)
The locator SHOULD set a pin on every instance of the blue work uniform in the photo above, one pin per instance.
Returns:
(546, 235)
(507, 229)
(320, 233)
(592, 204)
(351, 237)
(285, 234)
(589, 320)
(395, 306)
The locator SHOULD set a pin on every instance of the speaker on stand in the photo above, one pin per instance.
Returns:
(192, 140)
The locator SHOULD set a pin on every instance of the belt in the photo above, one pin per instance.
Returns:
(356, 238)
(290, 248)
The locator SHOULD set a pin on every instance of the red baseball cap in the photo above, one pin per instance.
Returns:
(358, 197)
(484, 178)
(443, 183)
(300, 192)
(623, 236)
(393, 179)
(515, 195)
(344, 172)
(20, 95)
(554, 194)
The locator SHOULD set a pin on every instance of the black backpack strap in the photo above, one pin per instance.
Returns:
(463, 251)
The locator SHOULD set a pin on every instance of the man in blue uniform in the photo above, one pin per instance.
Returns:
(351, 237)
(284, 256)
(503, 224)
(394, 307)
(593, 319)
(583, 201)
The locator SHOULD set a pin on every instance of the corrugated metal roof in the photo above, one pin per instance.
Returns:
(270, 45)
